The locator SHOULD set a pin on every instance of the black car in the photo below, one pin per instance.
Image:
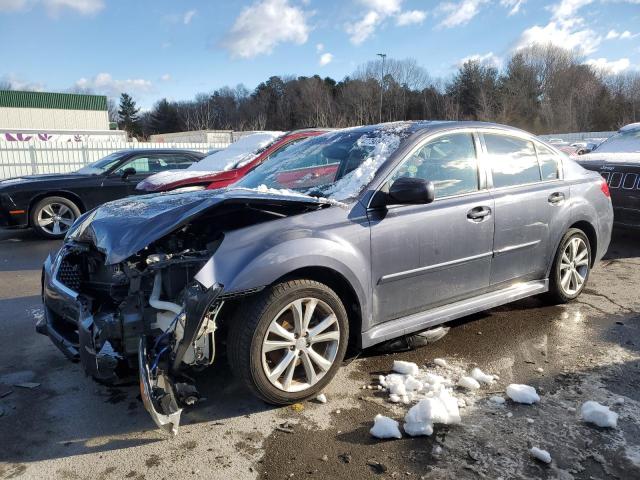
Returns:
(617, 159)
(50, 203)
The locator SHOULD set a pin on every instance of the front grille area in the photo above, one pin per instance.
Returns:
(69, 274)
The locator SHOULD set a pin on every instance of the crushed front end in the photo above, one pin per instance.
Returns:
(147, 314)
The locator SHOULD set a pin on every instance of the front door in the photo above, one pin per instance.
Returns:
(424, 256)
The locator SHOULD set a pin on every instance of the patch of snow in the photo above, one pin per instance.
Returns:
(619, 401)
(481, 377)
(381, 145)
(434, 334)
(442, 408)
(497, 400)
(600, 415)
(406, 368)
(238, 154)
(385, 427)
(170, 176)
(530, 420)
(540, 454)
(540, 370)
(522, 394)
(618, 157)
(322, 398)
(441, 362)
(469, 383)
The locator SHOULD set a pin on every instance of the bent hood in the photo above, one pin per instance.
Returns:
(122, 228)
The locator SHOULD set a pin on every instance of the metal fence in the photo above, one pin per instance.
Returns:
(575, 137)
(17, 158)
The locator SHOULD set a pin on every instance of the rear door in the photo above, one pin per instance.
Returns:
(531, 201)
(423, 256)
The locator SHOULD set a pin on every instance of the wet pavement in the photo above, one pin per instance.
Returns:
(67, 426)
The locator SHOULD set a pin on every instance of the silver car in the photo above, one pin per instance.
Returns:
(344, 240)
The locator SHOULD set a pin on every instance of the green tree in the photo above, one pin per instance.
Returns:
(128, 115)
(164, 118)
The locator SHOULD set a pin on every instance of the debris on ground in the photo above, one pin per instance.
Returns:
(522, 394)
(385, 427)
(441, 362)
(540, 454)
(297, 407)
(469, 383)
(420, 418)
(600, 415)
(405, 368)
(322, 398)
(498, 400)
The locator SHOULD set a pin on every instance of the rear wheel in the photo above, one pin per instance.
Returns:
(571, 267)
(288, 342)
(52, 217)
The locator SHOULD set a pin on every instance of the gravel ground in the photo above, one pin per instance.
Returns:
(69, 427)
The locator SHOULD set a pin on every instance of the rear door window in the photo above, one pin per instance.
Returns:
(513, 160)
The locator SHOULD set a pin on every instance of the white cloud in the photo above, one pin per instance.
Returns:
(376, 13)
(264, 25)
(325, 59)
(106, 84)
(612, 67)
(410, 17)
(566, 9)
(459, 13)
(363, 29)
(188, 16)
(54, 7)
(319, 47)
(166, 77)
(16, 83)
(569, 34)
(514, 6)
(488, 59)
(612, 34)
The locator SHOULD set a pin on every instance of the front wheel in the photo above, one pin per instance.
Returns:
(288, 342)
(571, 267)
(52, 217)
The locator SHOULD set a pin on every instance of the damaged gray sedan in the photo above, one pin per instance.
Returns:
(344, 240)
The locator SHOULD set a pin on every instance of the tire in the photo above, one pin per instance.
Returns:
(252, 329)
(565, 263)
(52, 217)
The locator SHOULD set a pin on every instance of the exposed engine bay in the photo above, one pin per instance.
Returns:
(149, 313)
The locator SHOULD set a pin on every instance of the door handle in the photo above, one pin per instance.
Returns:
(478, 214)
(556, 198)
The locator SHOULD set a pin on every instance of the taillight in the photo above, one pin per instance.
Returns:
(605, 188)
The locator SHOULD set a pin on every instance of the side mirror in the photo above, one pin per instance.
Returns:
(128, 172)
(411, 191)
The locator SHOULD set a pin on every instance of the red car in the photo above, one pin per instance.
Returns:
(227, 166)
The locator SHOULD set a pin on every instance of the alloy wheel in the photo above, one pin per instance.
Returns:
(55, 218)
(574, 266)
(300, 345)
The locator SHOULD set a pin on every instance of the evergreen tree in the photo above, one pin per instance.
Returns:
(164, 118)
(128, 114)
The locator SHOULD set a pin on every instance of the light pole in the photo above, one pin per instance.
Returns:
(383, 56)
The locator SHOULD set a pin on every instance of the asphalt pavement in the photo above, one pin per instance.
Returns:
(57, 423)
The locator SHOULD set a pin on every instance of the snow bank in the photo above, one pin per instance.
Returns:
(600, 415)
(385, 427)
(522, 393)
(237, 154)
(540, 454)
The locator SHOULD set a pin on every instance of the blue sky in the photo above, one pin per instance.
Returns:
(175, 49)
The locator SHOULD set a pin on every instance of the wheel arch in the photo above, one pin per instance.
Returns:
(590, 231)
(55, 193)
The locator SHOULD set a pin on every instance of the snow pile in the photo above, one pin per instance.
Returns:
(522, 394)
(380, 146)
(541, 455)
(385, 427)
(442, 408)
(237, 154)
(600, 415)
(406, 368)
